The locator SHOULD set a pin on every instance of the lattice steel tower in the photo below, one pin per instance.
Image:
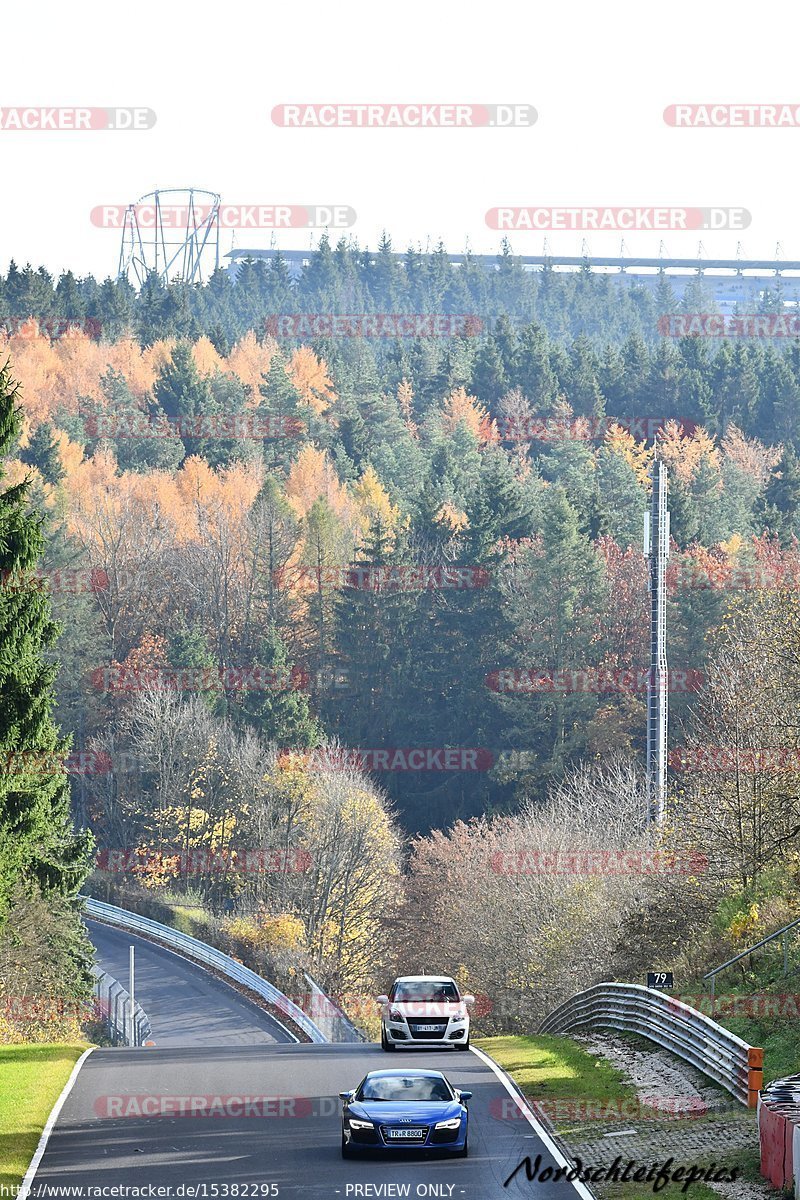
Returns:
(656, 548)
(174, 232)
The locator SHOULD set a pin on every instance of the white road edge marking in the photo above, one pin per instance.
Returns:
(25, 1186)
(530, 1117)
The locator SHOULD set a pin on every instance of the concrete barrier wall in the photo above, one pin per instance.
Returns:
(779, 1134)
(775, 1137)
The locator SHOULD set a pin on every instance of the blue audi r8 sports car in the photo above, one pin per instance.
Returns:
(404, 1110)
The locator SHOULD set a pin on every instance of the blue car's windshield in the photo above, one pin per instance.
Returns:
(404, 1087)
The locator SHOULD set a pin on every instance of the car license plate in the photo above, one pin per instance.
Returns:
(406, 1133)
(429, 1028)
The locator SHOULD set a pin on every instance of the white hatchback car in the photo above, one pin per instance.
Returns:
(425, 1010)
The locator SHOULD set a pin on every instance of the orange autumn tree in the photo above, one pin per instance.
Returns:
(329, 514)
(312, 476)
(459, 408)
(750, 456)
(683, 455)
(56, 374)
(309, 376)
(405, 400)
(128, 357)
(250, 360)
(172, 545)
(206, 359)
(451, 518)
(374, 506)
(636, 454)
(159, 355)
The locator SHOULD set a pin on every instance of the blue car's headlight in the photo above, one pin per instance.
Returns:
(354, 1124)
(453, 1123)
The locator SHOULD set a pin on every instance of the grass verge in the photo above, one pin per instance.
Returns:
(32, 1078)
(559, 1074)
(556, 1068)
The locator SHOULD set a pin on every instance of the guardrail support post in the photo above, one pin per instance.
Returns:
(755, 1075)
(132, 991)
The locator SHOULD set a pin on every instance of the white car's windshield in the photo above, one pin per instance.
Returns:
(429, 990)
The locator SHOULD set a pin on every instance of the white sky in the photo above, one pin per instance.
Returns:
(599, 75)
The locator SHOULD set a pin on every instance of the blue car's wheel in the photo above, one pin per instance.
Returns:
(346, 1151)
(464, 1151)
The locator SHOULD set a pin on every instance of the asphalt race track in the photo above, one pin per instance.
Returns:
(187, 1006)
(290, 1138)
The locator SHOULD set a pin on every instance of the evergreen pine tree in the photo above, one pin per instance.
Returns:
(38, 846)
(42, 453)
(282, 404)
(280, 709)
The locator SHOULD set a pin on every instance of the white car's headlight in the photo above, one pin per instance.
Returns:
(356, 1124)
(453, 1123)
(396, 1015)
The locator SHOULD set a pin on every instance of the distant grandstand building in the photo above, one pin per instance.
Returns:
(728, 281)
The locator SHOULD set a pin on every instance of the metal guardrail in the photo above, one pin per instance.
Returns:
(208, 956)
(782, 932)
(669, 1023)
(329, 1017)
(126, 1021)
